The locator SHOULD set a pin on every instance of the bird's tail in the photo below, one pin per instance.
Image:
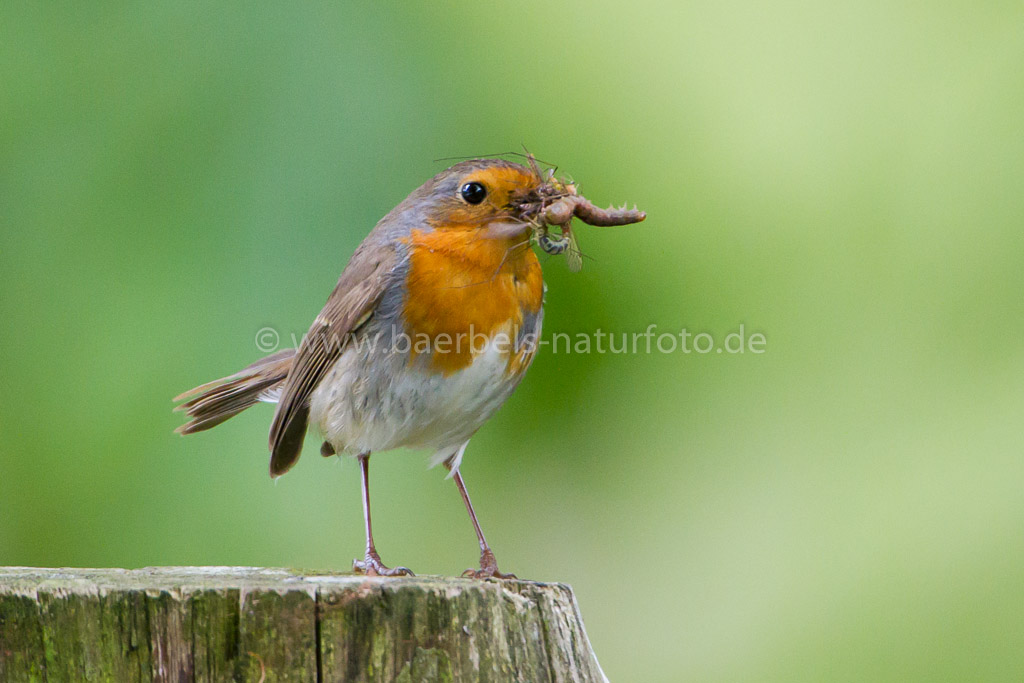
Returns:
(210, 404)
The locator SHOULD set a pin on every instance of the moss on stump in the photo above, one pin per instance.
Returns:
(251, 624)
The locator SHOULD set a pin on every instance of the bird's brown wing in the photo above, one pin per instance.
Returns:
(350, 305)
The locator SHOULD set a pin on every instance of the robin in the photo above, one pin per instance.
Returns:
(430, 328)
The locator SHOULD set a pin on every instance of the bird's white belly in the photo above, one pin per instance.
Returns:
(374, 400)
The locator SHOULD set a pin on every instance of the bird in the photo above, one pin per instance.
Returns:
(432, 325)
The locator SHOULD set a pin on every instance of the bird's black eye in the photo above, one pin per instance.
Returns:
(473, 193)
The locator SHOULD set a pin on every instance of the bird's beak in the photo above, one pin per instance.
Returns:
(508, 230)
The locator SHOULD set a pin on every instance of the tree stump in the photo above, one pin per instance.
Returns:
(253, 624)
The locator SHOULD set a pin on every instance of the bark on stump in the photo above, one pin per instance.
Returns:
(252, 624)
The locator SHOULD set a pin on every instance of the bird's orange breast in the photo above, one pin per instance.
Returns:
(464, 288)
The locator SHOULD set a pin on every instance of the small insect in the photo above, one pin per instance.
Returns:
(554, 203)
(565, 243)
(560, 214)
(553, 245)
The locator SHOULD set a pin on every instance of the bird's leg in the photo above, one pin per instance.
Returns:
(371, 564)
(488, 565)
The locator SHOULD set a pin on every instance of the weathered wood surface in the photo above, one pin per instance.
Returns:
(251, 624)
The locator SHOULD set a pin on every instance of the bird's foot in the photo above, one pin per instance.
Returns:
(488, 568)
(372, 566)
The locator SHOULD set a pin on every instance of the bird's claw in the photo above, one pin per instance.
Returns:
(372, 566)
(488, 568)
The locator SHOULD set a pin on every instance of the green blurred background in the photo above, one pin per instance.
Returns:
(844, 177)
